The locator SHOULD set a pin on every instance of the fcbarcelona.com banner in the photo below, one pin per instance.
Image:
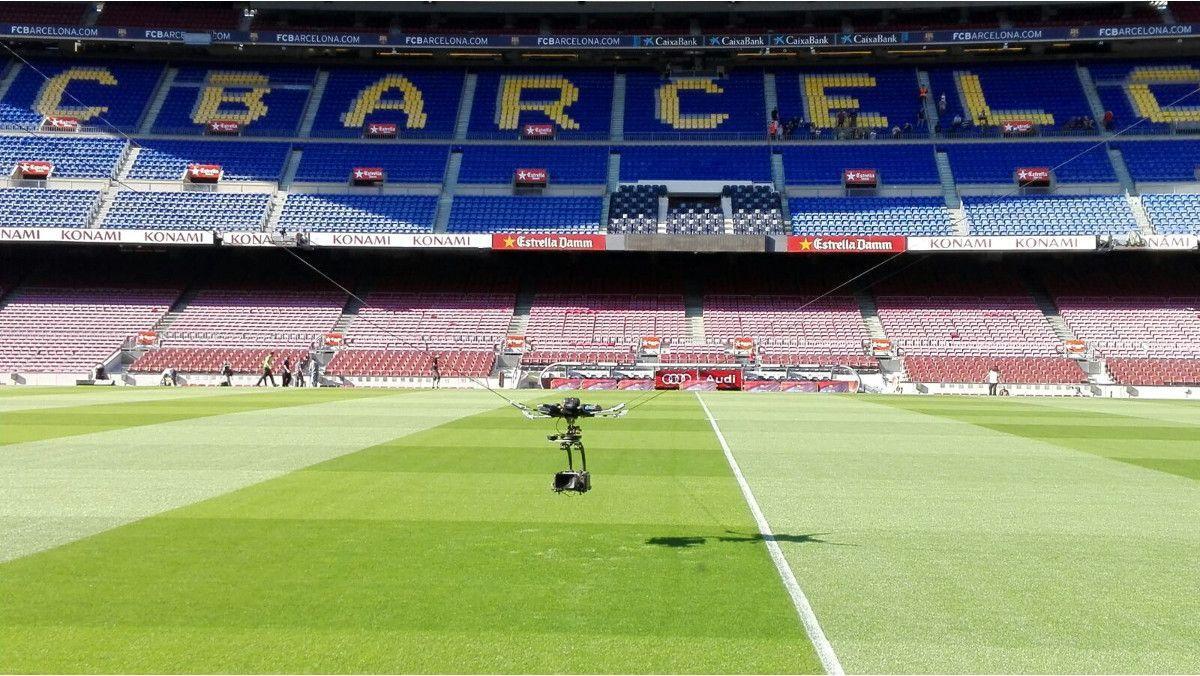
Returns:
(845, 244)
(525, 242)
(1027, 243)
(599, 41)
(108, 236)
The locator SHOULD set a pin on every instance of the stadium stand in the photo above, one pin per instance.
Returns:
(546, 357)
(71, 157)
(1164, 161)
(756, 209)
(696, 163)
(409, 363)
(72, 330)
(35, 207)
(489, 164)
(1173, 214)
(437, 320)
(695, 217)
(694, 106)
(913, 216)
(245, 360)
(897, 164)
(973, 369)
(102, 95)
(479, 213)
(358, 213)
(334, 162)
(790, 329)
(1048, 94)
(1134, 325)
(634, 209)
(50, 14)
(1059, 215)
(164, 160)
(1072, 162)
(145, 210)
(577, 103)
(882, 97)
(607, 320)
(422, 103)
(1157, 91)
(265, 100)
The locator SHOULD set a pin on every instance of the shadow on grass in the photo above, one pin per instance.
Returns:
(684, 541)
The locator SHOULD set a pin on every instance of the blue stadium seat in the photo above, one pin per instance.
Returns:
(1059, 215)
(352, 98)
(97, 94)
(634, 209)
(897, 164)
(73, 157)
(1173, 214)
(42, 208)
(1112, 80)
(566, 164)
(1019, 91)
(358, 213)
(188, 210)
(911, 216)
(1161, 160)
(694, 106)
(277, 114)
(995, 162)
(495, 113)
(696, 163)
(756, 209)
(892, 96)
(240, 161)
(333, 162)
(477, 213)
(695, 217)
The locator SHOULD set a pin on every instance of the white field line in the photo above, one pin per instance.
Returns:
(804, 609)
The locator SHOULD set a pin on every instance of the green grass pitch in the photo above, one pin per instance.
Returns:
(178, 530)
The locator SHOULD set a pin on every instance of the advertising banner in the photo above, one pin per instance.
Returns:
(368, 240)
(380, 130)
(1017, 128)
(515, 344)
(203, 173)
(537, 131)
(671, 379)
(846, 244)
(334, 339)
(244, 238)
(107, 236)
(367, 175)
(526, 242)
(1025, 243)
(66, 124)
(34, 170)
(860, 178)
(147, 338)
(1163, 243)
(635, 384)
(223, 128)
(531, 177)
(1036, 177)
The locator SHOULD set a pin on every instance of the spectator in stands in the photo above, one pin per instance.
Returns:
(957, 123)
(773, 130)
(853, 118)
(437, 372)
(895, 132)
(227, 372)
(267, 364)
(1108, 120)
(841, 119)
(921, 115)
(983, 118)
(287, 371)
(942, 104)
(993, 380)
(922, 94)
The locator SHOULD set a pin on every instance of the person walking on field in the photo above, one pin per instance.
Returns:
(301, 367)
(993, 380)
(437, 373)
(287, 371)
(267, 364)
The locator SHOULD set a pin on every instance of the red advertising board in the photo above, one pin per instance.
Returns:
(531, 177)
(537, 131)
(515, 343)
(147, 337)
(36, 170)
(846, 244)
(380, 130)
(334, 339)
(367, 175)
(1017, 128)
(60, 124)
(698, 379)
(203, 173)
(527, 242)
(1032, 176)
(860, 178)
(223, 128)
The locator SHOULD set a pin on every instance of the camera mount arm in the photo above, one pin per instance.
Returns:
(611, 412)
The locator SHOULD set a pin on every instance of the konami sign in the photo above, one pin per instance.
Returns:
(1038, 177)
(380, 130)
(107, 236)
(860, 178)
(399, 241)
(1164, 243)
(846, 244)
(223, 128)
(245, 238)
(1029, 243)
(34, 170)
(1017, 128)
(203, 173)
(537, 131)
(367, 175)
(531, 177)
(518, 242)
(60, 124)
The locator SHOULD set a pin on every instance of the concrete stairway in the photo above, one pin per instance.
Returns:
(463, 120)
(693, 312)
(616, 124)
(446, 199)
(779, 179)
(1089, 91)
(146, 124)
(290, 168)
(14, 69)
(1122, 171)
(870, 314)
(313, 104)
(946, 178)
(931, 114)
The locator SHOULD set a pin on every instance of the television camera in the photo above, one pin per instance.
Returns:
(570, 440)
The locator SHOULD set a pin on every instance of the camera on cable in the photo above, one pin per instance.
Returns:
(571, 480)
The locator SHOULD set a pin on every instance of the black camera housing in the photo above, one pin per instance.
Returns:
(572, 481)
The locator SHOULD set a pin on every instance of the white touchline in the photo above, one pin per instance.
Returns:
(825, 652)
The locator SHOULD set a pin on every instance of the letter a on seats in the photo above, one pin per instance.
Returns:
(371, 99)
